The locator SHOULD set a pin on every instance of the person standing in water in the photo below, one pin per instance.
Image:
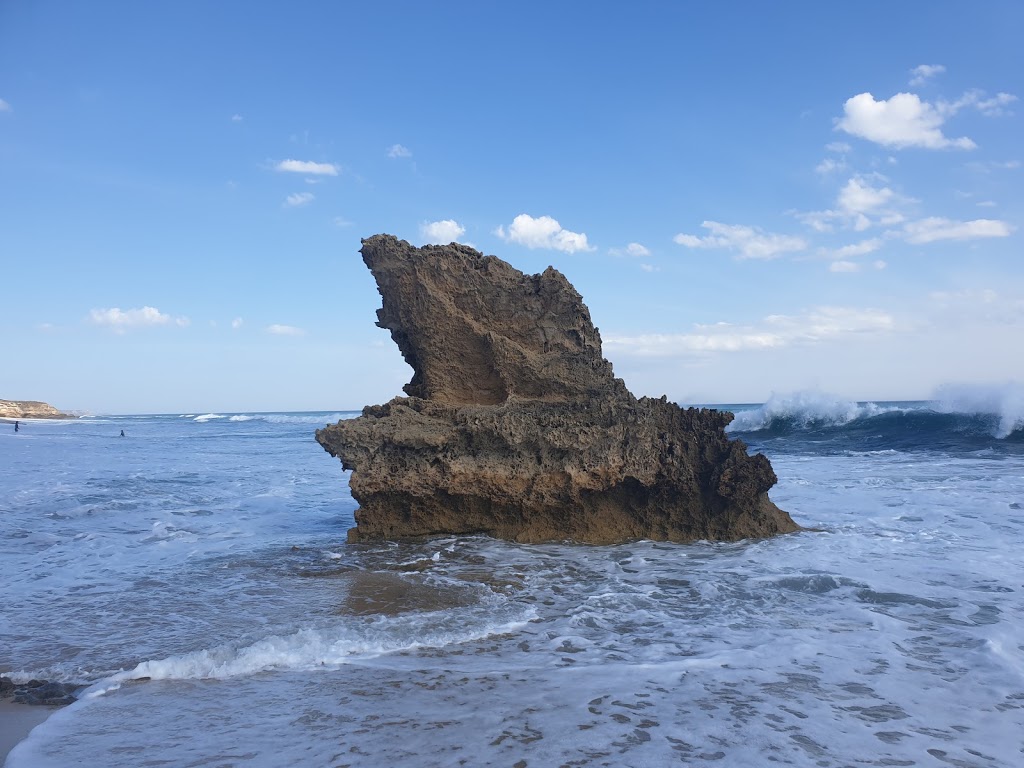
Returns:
(122, 433)
(17, 425)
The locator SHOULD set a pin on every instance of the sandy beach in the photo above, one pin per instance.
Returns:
(16, 721)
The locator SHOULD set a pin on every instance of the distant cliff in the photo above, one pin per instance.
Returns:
(516, 426)
(30, 409)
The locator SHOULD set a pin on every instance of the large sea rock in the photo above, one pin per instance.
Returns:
(516, 427)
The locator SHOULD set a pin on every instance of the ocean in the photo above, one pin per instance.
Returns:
(194, 574)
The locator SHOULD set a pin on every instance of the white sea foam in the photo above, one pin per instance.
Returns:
(309, 649)
(295, 418)
(208, 417)
(805, 409)
(1006, 401)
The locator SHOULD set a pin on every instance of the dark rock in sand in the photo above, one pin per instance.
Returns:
(516, 427)
(38, 692)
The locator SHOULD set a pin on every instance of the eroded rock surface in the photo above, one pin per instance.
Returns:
(516, 427)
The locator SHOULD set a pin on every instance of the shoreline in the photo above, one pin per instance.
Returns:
(17, 722)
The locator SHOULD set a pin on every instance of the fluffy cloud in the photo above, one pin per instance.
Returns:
(285, 330)
(635, 250)
(307, 167)
(747, 242)
(844, 266)
(900, 122)
(829, 165)
(847, 267)
(120, 320)
(990, 107)
(859, 197)
(858, 249)
(298, 199)
(443, 232)
(818, 325)
(859, 205)
(397, 150)
(935, 228)
(924, 72)
(543, 232)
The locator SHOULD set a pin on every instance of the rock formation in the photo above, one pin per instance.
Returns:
(516, 427)
(30, 409)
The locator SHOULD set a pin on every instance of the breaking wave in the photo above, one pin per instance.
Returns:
(806, 410)
(323, 417)
(964, 416)
(331, 647)
(295, 418)
(1006, 402)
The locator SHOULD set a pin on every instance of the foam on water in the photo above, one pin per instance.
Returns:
(313, 649)
(208, 417)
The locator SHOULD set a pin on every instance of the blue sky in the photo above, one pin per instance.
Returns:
(751, 197)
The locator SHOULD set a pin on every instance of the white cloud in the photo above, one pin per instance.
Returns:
(859, 205)
(924, 72)
(236, 118)
(237, 323)
(990, 107)
(299, 199)
(817, 325)
(121, 320)
(828, 165)
(443, 232)
(650, 268)
(285, 330)
(4, 106)
(308, 167)
(635, 250)
(1008, 165)
(543, 232)
(935, 228)
(747, 242)
(844, 266)
(859, 197)
(397, 150)
(856, 249)
(900, 122)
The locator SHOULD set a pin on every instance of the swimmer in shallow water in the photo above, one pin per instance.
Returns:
(17, 426)
(122, 433)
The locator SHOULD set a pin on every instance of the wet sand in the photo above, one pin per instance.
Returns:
(16, 721)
